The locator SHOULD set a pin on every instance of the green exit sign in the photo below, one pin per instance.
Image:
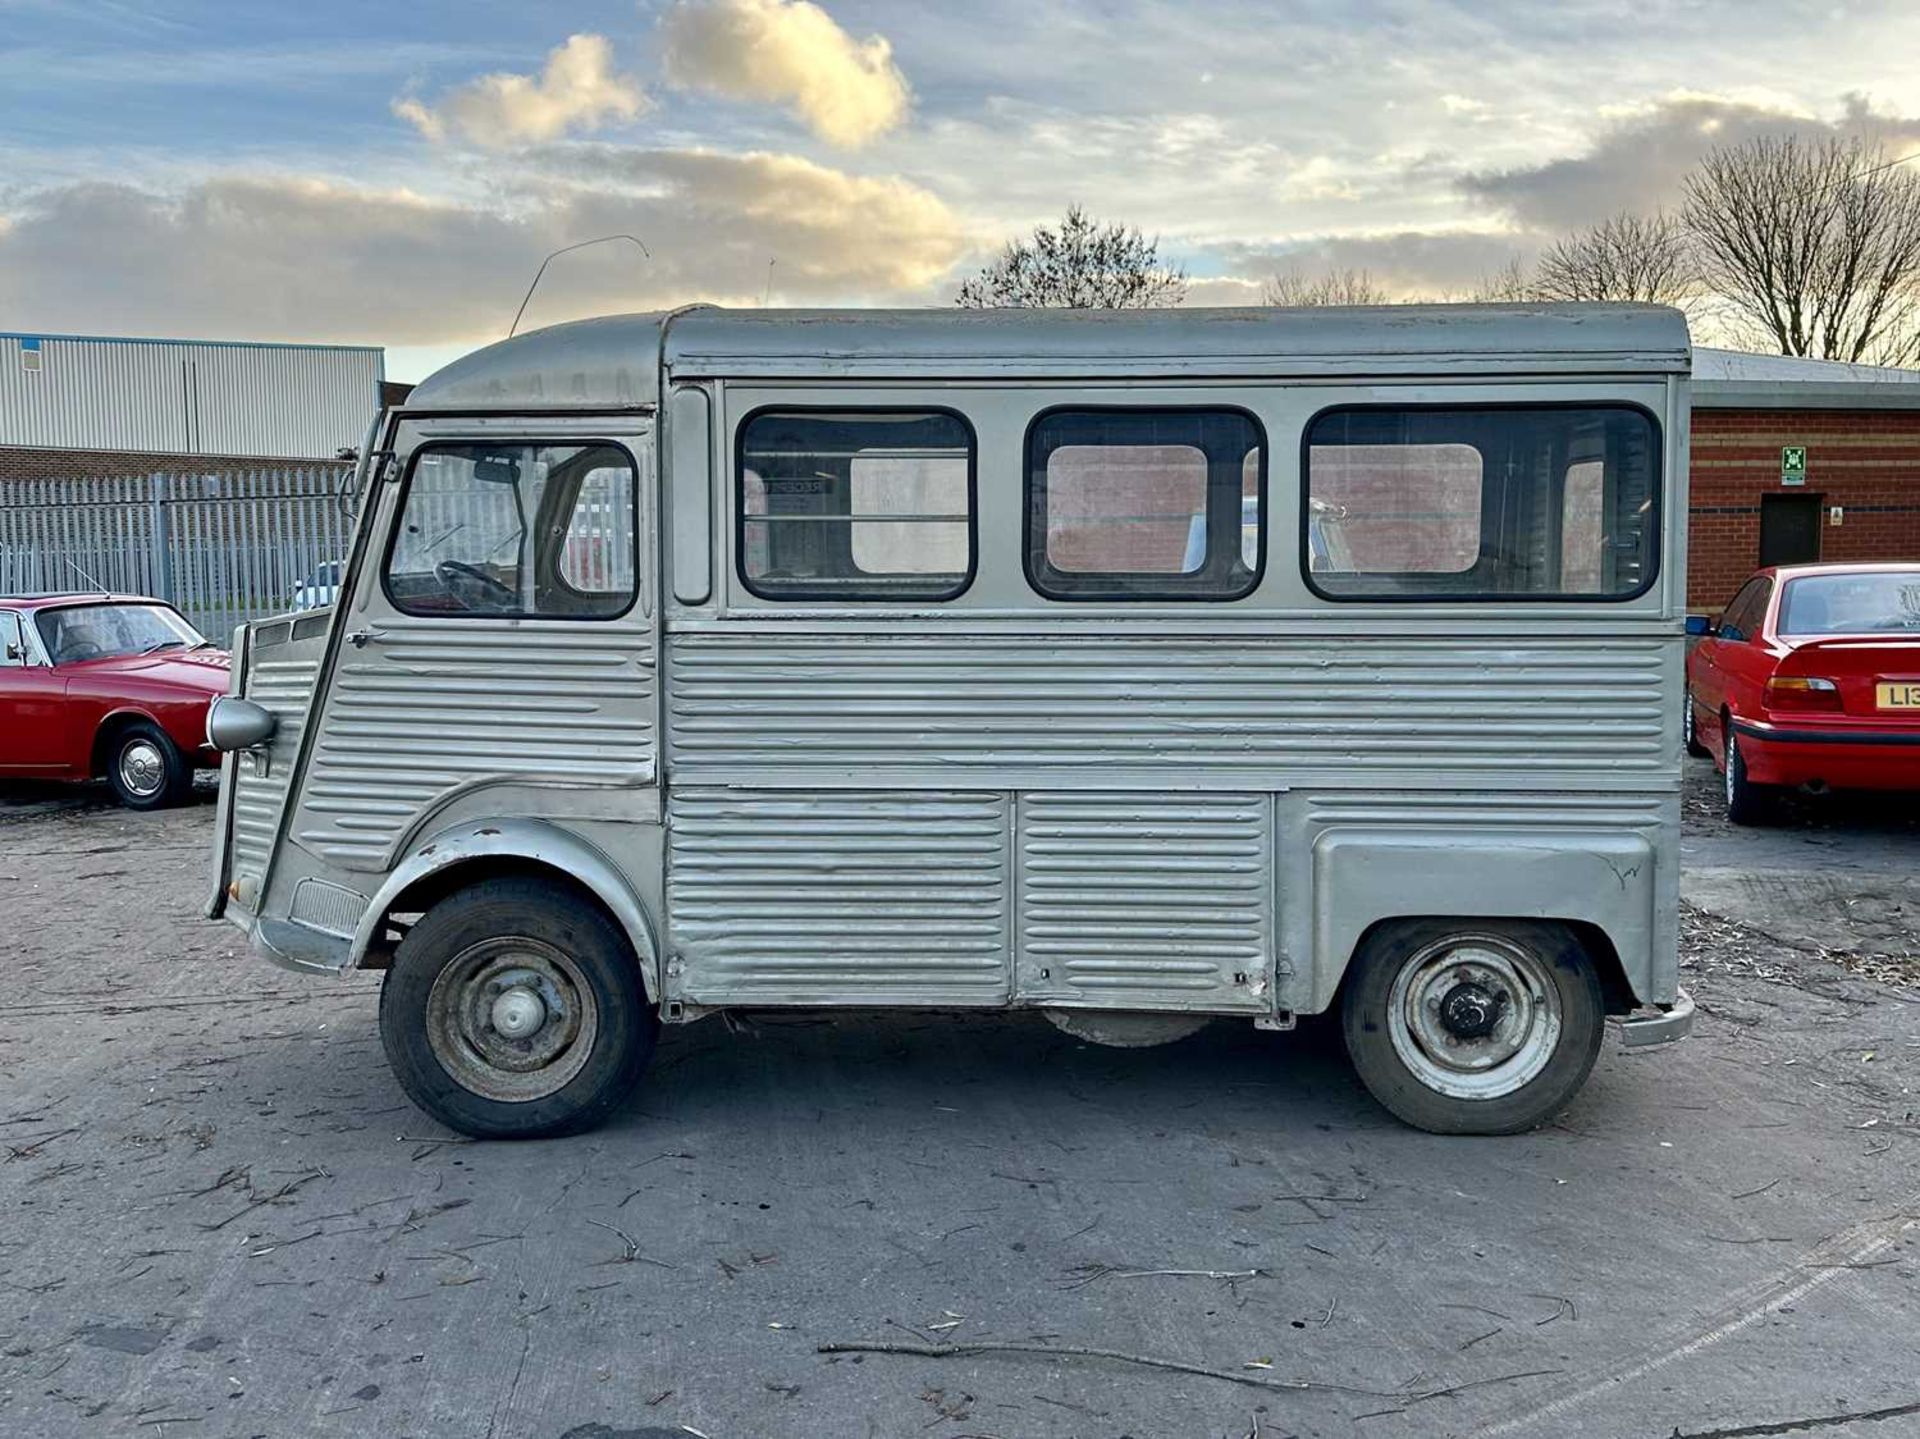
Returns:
(1793, 464)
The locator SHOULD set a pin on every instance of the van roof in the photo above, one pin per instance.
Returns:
(614, 362)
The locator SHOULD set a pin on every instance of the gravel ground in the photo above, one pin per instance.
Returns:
(222, 1218)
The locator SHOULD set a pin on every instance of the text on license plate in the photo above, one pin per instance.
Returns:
(1902, 694)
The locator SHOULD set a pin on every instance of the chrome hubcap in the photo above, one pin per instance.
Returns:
(1474, 1016)
(512, 1019)
(142, 768)
(1729, 767)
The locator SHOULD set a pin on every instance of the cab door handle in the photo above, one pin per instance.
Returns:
(360, 639)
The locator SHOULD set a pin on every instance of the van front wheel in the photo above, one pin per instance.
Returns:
(514, 1010)
(1464, 1027)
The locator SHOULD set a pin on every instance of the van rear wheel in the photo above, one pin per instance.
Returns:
(514, 1010)
(1465, 1027)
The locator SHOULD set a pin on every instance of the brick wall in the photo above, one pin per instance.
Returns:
(17, 463)
(1865, 461)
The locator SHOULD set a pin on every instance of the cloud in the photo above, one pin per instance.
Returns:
(578, 90)
(1639, 160)
(293, 258)
(788, 52)
(1407, 264)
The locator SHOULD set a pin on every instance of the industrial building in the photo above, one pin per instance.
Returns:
(1797, 460)
(73, 406)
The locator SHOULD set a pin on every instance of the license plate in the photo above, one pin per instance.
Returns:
(1903, 695)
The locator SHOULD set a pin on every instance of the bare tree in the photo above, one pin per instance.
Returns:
(1508, 285)
(1337, 287)
(1627, 257)
(1813, 243)
(1082, 265)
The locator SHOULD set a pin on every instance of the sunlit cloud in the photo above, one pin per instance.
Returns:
(578, 90)
(790, 53)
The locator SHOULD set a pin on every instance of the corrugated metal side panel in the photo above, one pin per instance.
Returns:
(814, 703)
(1495, 812)
(852, 898)
(283, 685)
(178, 397)
(435, 704)
(1146, 901)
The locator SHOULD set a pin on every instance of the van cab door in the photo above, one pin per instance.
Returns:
(496, 654)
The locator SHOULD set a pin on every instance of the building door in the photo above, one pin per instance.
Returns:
(1789, 529)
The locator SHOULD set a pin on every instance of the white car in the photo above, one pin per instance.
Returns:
(319, 589)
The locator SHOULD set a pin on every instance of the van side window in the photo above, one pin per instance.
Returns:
(856, 505)
(1145, 504)
(516, 530)
(1493, 502)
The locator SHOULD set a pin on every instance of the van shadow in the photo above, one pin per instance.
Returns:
(982, 1073)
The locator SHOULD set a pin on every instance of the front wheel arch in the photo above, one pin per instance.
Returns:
(107, 734)
(466, 854)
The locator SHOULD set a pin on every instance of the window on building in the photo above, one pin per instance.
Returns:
(846, 505)
(1145, 504)
(503, 529)
(1492, 502)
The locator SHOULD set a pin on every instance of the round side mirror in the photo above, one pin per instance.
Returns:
(237, 724)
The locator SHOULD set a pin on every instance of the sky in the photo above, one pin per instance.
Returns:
(393, 174)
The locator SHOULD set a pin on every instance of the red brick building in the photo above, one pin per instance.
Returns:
(1857, 497)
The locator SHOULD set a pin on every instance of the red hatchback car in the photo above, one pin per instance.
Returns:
(112, 685)
(1811, 679)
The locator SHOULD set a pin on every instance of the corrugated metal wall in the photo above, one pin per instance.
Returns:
(186, 397)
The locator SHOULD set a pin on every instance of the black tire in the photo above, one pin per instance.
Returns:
(145, 768)
(1545, 954)
(477, 932)
(1689, 731)
(1747, 802)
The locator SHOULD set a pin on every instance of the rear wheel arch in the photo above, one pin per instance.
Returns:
(1591, 938)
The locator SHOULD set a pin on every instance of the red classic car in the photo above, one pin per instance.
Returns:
(112, 685)
(1810, 678)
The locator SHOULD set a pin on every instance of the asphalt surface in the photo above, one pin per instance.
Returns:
(219, 1216)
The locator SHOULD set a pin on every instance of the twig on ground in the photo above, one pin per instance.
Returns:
(1079, 1351)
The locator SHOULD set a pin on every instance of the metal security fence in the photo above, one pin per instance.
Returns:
(223, 548)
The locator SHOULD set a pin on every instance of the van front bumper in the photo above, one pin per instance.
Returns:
(1662, 1026)
(295, 947)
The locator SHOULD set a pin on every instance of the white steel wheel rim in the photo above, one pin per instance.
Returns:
(512, 1019)
(1474, 1016)
(143, 769)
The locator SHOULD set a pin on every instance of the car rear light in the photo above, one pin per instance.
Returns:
(1793, 692)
